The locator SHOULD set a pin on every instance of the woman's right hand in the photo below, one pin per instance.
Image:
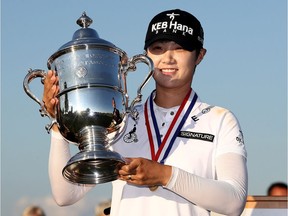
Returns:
(51, 89)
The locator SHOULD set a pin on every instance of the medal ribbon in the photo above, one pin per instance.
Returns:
(161, 145)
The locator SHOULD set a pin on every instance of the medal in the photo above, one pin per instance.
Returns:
(171, 135)
(162, 148)
(153, 188)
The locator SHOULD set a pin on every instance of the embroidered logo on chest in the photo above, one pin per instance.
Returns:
(131, 136)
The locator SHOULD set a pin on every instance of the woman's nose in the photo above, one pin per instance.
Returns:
(168, 57)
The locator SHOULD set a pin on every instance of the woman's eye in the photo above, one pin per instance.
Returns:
(179, 48)
(157, 48)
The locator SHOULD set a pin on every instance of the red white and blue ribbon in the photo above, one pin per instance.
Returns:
(162, 149)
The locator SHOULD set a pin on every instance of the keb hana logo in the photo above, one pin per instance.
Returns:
(171, 26)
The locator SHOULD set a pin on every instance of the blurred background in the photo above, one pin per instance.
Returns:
(245, 70)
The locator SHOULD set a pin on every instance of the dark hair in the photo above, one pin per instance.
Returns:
(31, 210)
(278, 185)
(198, 51)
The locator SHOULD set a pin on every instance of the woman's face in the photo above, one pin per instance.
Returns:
(174, 66)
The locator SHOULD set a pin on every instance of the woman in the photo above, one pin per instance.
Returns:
(189, 157)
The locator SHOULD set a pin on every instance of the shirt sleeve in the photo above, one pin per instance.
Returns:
(64, 192)
(225, 195)
(229, 135)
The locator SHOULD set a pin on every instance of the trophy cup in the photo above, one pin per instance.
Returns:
(93, 101)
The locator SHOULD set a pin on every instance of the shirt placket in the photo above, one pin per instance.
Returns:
(165, 121)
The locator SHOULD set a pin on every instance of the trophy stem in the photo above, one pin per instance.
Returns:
(93, 138)
(94, 163)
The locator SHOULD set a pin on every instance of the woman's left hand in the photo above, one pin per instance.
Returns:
(141, 171)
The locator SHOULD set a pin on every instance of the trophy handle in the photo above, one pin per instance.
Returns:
(140, 58)
(32, 74)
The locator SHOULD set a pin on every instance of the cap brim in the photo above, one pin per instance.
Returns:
(186, 44)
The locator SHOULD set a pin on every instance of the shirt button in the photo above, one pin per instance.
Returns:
(172, 113)
(163, 124)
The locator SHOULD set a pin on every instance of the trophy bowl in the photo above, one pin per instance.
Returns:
(93, 101)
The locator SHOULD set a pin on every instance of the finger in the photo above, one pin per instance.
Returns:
(54, 78)
(127, 170)
(50, 81)
(50, 77)
(127, 178)
(128, 160)
(124, 170)
(50, 94)
(51, 89)
(54, 101)
(134, 163)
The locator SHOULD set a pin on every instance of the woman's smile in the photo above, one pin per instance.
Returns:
(168, 71)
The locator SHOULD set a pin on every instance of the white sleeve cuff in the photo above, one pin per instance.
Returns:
(173, 178)
(56, 134)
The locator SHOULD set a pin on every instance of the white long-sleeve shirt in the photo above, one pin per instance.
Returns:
(208, 159)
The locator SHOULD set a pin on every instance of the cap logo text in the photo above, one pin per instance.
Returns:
(172, 16)
(172, 25)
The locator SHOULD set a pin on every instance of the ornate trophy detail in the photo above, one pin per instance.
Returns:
(93, 101)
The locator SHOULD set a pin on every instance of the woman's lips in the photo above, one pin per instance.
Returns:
(168, 70)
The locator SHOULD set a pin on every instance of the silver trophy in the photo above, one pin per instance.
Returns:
(93, 101)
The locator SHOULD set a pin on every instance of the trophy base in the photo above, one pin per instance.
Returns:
(93, 167)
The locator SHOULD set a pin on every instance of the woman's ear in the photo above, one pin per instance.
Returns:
(201, 55)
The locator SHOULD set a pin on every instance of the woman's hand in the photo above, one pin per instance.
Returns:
(141, 171)
(51, 89)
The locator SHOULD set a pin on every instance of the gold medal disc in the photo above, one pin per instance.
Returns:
(153, 188)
